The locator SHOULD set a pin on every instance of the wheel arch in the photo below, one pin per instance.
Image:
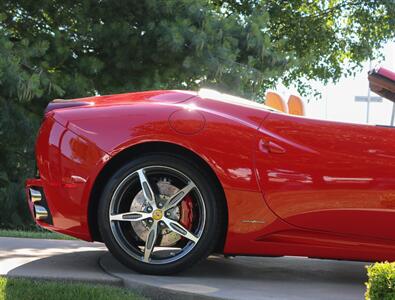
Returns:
(148, 147)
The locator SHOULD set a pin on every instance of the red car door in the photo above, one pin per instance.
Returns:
(328, 176)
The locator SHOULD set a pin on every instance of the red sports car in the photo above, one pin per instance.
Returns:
(164, 178)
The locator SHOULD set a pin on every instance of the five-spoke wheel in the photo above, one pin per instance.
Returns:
(155, 214)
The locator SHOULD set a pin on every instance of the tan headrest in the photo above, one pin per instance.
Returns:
(274, 100)
(296, 106)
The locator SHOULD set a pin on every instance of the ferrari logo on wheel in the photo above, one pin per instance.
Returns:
(157, 214)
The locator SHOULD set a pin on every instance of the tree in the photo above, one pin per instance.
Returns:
(325, 38)
(20, 83)
(65, 49)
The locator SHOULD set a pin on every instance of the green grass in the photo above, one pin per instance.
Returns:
(16, 289)
(40, 234)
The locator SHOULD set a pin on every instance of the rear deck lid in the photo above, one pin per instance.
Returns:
(166, 96)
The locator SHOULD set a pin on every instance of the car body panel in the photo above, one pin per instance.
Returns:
(333, 177)
(289, 182)
(68, 166)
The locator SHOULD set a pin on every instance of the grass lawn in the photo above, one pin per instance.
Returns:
(34, 234)
(16, 289)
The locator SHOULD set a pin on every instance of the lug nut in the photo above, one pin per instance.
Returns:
(160, 205)
(149, 209)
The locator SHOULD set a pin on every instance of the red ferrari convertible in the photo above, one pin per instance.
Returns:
(164, 178)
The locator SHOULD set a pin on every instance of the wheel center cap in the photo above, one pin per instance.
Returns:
(157, 214)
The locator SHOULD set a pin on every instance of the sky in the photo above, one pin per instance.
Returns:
(338, 100)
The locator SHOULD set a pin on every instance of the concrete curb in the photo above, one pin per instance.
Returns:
(117, 282)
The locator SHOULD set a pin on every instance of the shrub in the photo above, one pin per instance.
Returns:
(381, 281)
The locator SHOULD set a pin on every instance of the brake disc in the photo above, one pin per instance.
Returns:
(166, 190)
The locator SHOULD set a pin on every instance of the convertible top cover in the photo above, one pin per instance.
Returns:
(382, 82)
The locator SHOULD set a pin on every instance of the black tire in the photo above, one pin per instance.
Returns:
(212, 230)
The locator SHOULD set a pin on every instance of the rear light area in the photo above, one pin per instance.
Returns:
(47, 169)
(47, 150)
(59, 193)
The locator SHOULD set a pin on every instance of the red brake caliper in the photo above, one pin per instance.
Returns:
(186, 215)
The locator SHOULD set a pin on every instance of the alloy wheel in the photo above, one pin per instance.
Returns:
(157, 214)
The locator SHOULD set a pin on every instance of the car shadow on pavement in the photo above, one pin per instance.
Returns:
(281, 268)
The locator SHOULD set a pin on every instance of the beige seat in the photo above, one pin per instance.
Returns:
(274, 100)
(296, 106)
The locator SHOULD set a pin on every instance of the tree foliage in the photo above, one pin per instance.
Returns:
(324, 39)
(64, 49)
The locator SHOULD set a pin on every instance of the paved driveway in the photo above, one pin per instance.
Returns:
(53, 259)
(217, 277)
